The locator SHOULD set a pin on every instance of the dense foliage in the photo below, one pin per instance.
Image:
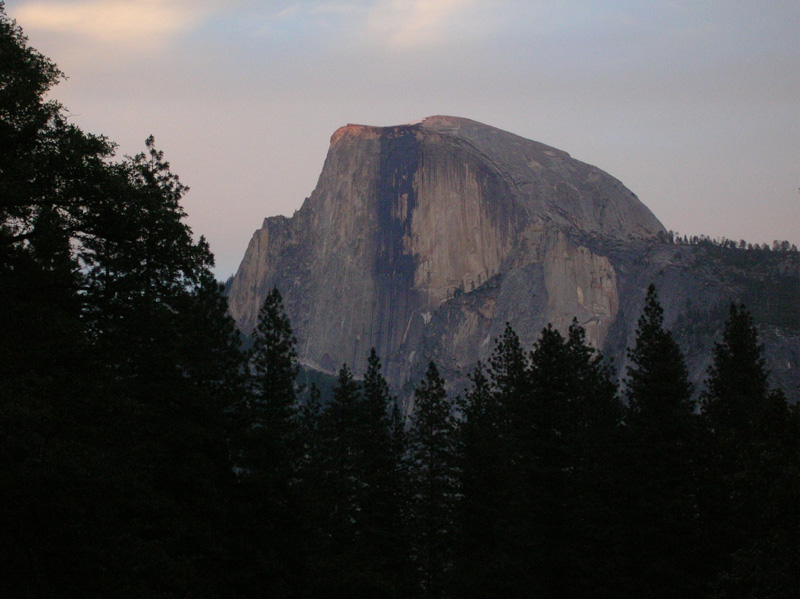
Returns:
(116, 357)
(144, 454)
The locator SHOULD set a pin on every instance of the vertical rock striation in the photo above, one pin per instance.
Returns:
(444, 220)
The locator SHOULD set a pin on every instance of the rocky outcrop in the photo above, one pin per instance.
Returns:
(423, 240)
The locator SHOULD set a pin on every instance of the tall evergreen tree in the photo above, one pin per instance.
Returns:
(156, 319)
(737, 399)
(658, 464)
(311, 447)
(591, 431)
(343, 458)
(657, 385)
(363, 550)
(753, 497)
(274, 369)
(508, 374)
(381, 496)
(113, 452)
(542, 465)
(484, 522)
(596, 409)
(535, 446)
(433, 481)
(267, 453)
(376, 434)
(564, 454)
(117, 361)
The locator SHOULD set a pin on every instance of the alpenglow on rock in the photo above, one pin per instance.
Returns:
(442, 219)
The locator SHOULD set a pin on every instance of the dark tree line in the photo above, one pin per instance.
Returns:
(144, 454)
(545, 478)
(778, 245)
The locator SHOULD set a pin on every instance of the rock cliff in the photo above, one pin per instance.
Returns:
(422, 240)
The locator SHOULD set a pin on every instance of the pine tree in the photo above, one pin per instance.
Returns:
(401, 539)
(753, 495)
(157, 322)
(376, 431)
(658, 463)
(565, 454)
(381, 496)
(311, 444)
(597, 409)
(535, 448)
(591, 432)
(274, 368)
(268, 414)
(737, 399)
(484, 522)
(117, 360)
(657, 386)
(310, 501)
(360, 551)
(508, 373)
(267, 453)
(343, 457)
(544, 464)
(433, 482)
(209, 345)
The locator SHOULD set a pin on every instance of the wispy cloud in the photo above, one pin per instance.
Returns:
(115, 22)
(396, 25)
(305, 8)
(342, 8)
(409, 24)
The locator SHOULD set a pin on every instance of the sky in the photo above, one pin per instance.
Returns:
(694, 106)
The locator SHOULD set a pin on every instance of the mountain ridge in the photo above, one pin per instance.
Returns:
(407, 221)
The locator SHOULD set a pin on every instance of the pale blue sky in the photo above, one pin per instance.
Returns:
(695, 106)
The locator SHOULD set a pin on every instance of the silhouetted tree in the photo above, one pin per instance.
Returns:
(508, 374)
(117, 361)
(574, 386)
(484, 521)
(658, 463)
(381, 429)
(753, 495)
(433, 481)
(268, 453)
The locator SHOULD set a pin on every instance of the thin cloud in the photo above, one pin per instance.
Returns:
(410, 24)
(306, 8)
(348, 8)
(114, 22)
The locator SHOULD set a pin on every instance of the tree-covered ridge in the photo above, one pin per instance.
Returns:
(766, 276)
(144, 454)
(778, 245)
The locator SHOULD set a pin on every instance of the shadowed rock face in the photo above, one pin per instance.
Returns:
(423, 240)
(404, 219)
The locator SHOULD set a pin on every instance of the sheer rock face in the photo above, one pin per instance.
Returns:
(447, 225)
